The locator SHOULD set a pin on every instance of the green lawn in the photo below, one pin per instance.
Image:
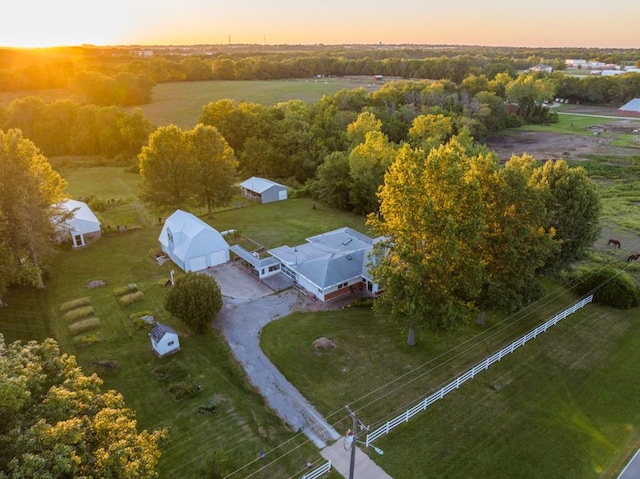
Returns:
(243, 426)
(565, 405)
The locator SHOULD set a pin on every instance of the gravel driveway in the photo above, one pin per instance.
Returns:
(240, 321)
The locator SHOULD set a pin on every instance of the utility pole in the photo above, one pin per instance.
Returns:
(354, 431)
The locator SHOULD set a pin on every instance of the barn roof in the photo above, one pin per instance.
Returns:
(191, 235)
(633, 106)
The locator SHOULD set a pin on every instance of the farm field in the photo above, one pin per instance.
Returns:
(180, 103)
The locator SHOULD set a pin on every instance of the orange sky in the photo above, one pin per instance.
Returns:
(585, 23)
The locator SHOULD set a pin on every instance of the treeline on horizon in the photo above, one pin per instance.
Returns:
(35, 69)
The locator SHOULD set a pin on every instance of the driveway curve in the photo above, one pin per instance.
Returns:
(240, 321)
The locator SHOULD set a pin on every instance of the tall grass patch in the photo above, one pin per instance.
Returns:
(78, 313)
(75, 303)
(84, 325)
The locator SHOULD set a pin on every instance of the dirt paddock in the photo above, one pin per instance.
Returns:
(554, 146)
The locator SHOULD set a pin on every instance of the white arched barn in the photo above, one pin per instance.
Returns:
(191, 243)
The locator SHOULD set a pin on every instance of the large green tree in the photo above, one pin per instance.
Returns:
(517, 239)
(431, 211)
(29, 189)
(574, 208)
(181, 169)
(215, 167)
(55, 422)
(196, 300)
(166, 170)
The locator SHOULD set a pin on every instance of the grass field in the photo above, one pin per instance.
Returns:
(168, 105)
(181, 103)
(548, 410)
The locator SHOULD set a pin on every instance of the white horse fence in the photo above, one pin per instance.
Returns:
(455, 384)
(326, 467)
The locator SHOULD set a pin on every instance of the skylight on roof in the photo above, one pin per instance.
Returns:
(347, 241)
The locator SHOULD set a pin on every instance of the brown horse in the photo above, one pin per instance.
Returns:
(615, 243)
(633, 257)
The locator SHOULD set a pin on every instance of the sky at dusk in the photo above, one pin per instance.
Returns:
(541, 23)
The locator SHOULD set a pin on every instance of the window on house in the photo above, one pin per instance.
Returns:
(343, 285)
(275, 267)
(170, 343)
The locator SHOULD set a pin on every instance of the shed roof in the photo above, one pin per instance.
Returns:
(159, 330)
(259, 185)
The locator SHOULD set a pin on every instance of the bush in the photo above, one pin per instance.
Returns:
(361, 303)
(610, 287)
(195, 299)
(84, 325)
(131, 298)
(88, 340)
(130, 288)
(170, 371)
(78, 313)
(75, 303)
(183, 389)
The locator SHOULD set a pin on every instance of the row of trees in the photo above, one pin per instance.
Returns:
(125, 89)
(56, 68)
(598, 90)
(64, 127)
(466, 235)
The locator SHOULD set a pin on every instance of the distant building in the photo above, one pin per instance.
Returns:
(141, 53)
(266, 191)
(541, 68)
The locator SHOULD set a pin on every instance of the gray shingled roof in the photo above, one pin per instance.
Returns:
(159, 330)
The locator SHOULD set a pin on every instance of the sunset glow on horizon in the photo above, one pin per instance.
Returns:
(492, 23)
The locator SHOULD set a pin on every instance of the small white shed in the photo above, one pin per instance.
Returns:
(191, 243)
(82, 225)
(164, 340)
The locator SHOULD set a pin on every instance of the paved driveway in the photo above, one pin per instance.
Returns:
(248, 306)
